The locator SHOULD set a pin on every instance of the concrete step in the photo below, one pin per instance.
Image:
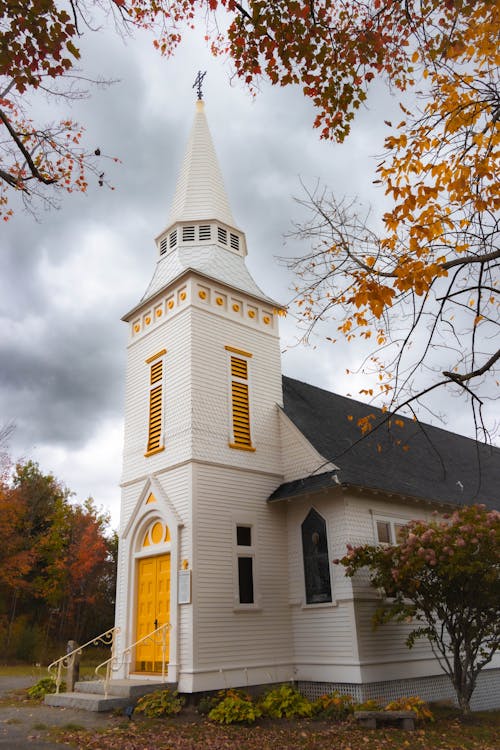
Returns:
(86, 701)
(89, 694)
(123, 688)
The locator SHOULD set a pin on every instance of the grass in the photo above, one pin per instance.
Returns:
(22, 670)
(87, 667)
(193, 733)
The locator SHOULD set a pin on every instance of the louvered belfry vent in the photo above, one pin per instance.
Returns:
(205, 232)
(235, 242)
(163, 246)
(172, 241)
(222, 235)
(155, 405)
(188, 234)
(240, 402)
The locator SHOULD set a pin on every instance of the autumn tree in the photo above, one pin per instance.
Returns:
(40, 56)
(424, 289)
(443, 576)
(57, 563)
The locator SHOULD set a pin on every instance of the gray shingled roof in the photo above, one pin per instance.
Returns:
(437, 465)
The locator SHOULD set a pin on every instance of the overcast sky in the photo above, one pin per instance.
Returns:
(66, 280)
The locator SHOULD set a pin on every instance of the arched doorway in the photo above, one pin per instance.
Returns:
(153, 598)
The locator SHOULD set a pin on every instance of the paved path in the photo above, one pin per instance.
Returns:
(25, 725)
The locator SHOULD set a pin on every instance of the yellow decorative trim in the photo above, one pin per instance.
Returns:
(156, 356)
(137, 328)
(237, 351)
(157, 532)
(159, 313)
(155, 450)
(251, 313)
(266, 319)
(151, 499)
(171, 303)
(219, 301)
(182, 295)
(241, 447)
(148, 320)
(202, 294)
(236, 308)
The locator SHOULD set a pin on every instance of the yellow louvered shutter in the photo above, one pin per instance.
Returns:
(240, 402)
(155, 405)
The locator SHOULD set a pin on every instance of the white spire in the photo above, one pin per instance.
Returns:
(200, 194)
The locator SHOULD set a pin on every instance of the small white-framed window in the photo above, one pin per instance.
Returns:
(245, 564)
(388, 530)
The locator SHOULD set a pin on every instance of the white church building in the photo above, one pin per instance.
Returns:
(240, 486)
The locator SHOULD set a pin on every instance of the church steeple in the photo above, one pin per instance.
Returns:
(201, 234)
(200, 194)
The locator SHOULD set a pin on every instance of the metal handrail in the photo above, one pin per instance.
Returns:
(113, 662)
(66, 661)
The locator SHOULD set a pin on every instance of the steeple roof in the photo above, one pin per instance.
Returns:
(201, 235)
(200, 193)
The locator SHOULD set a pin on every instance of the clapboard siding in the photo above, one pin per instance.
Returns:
(361, 509)
(211, 424)
(226, 636)
(300, 459)
(174, 336)
(386, 643)
(323, 634)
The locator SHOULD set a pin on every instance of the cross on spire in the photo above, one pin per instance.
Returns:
(198, 83)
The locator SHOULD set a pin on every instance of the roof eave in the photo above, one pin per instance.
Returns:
(185, 272)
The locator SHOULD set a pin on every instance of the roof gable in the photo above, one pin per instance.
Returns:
(427, 462)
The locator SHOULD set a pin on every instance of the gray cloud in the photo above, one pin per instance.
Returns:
(66, 281)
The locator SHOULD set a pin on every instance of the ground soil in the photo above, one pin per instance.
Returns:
(26, 724)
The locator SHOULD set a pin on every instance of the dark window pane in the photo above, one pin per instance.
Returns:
(316, 559)
(244, 536)
(384, 532)
(245, 579)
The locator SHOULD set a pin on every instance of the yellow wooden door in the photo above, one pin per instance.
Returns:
(153, 610)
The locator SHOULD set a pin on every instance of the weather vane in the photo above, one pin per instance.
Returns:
(198, 82)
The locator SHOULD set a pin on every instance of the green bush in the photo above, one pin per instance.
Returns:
(235, 708)
(413, 703)
(46, 685)
(370, 705)
(160, 703)
(209, 701)
(285, 700)
(333, 706)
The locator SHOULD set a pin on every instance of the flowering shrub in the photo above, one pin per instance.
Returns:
(444, 576)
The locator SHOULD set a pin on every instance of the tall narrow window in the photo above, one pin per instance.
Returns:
(245, 555)
(240, 400)
(155, 425)
(316, 559)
